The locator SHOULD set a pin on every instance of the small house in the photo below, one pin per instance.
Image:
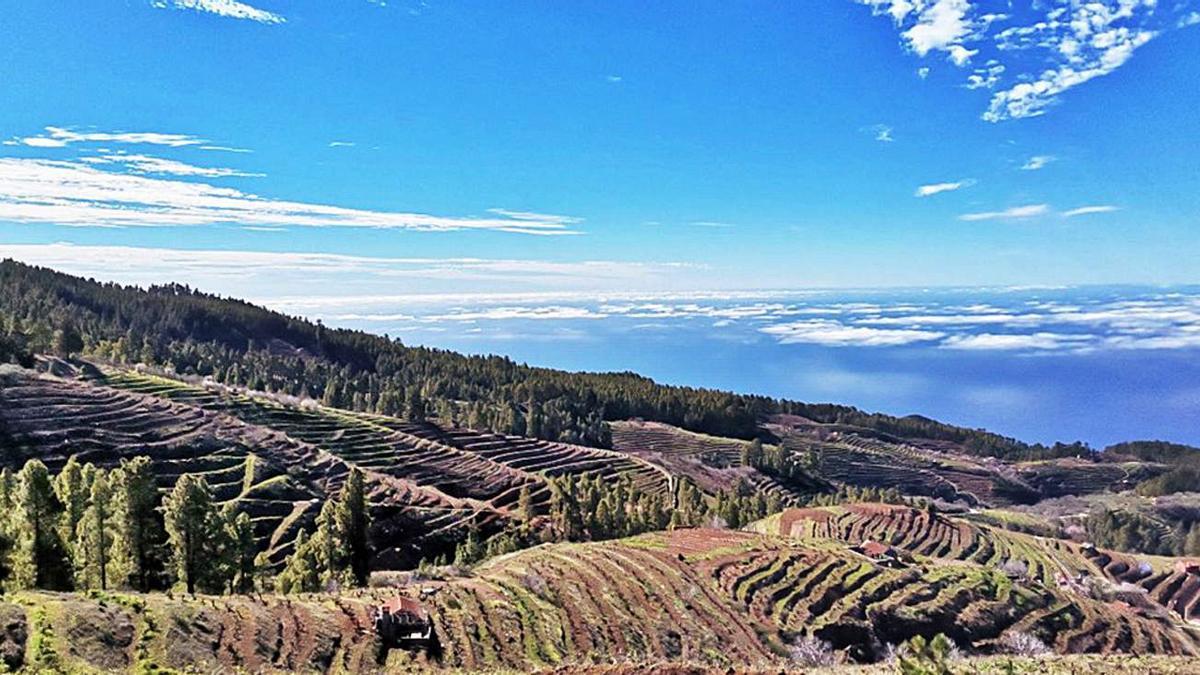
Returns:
(403, 621)
(881, 554)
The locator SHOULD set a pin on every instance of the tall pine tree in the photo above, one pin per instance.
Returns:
(38, 560)
(138, 549)
(95, 536)
(354, 521)
(190, 517)
(72, 493)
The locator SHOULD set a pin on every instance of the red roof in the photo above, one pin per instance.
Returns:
(405, 605)
(875, 549)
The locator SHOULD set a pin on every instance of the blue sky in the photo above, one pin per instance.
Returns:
(451, 147)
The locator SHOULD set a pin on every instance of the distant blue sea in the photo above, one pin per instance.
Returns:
(1099, 365)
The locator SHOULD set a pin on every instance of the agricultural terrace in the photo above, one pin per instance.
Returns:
(713, 463)
(870, 462)
(54, 419)
(714, 598)
(475, 478)
(1051, 563)
(459, 462)
(724, 598)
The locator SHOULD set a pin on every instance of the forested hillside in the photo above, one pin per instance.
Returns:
(239, 344)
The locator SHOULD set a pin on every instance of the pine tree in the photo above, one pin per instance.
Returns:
(300, 573)
(221, 551)
(246, 563)
(8, 491)
(189, 516)
(138, 550)
(38, 560)
(67, 341)
(354, 521)
(95, 536)
(328, 546)
(470, 551)
(8, 497)
(414, 406)
(72, 493)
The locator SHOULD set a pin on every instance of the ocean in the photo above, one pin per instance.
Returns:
(1097, 364)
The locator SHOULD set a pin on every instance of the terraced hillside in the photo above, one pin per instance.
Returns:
(711, 462)
(428, 484)
(52, 419)
(942, 469)
(863, 461)
(722, 598)
(1167, 583)
(717, 598)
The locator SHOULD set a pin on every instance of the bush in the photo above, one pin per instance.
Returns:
(1023, 644)
(812, 652)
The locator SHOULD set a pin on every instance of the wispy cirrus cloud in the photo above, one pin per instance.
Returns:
(77, 193)
(1035, 210)
(144, 164)
(329, 281)
(1012, 213)
(59, 137)
(1086, 210)
(227, 8)
(1037, 162)
(938, 188)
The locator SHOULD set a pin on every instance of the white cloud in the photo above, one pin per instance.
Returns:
(227, 8)
(1037, 162)
(333, 284)
(1002, 341)
(1085, 210)
(158, 165)
(960, 55)
(923, 72)
(1190, 340)
(836, 334)
(986, 77)
(58, 137)
(936, 188)
(932, 25)
(614, 79)
(882, 132)
(1081, 42)
(341, 144)
(542, 313)
(74, 193)
(1016, 212)
(1058, 46)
